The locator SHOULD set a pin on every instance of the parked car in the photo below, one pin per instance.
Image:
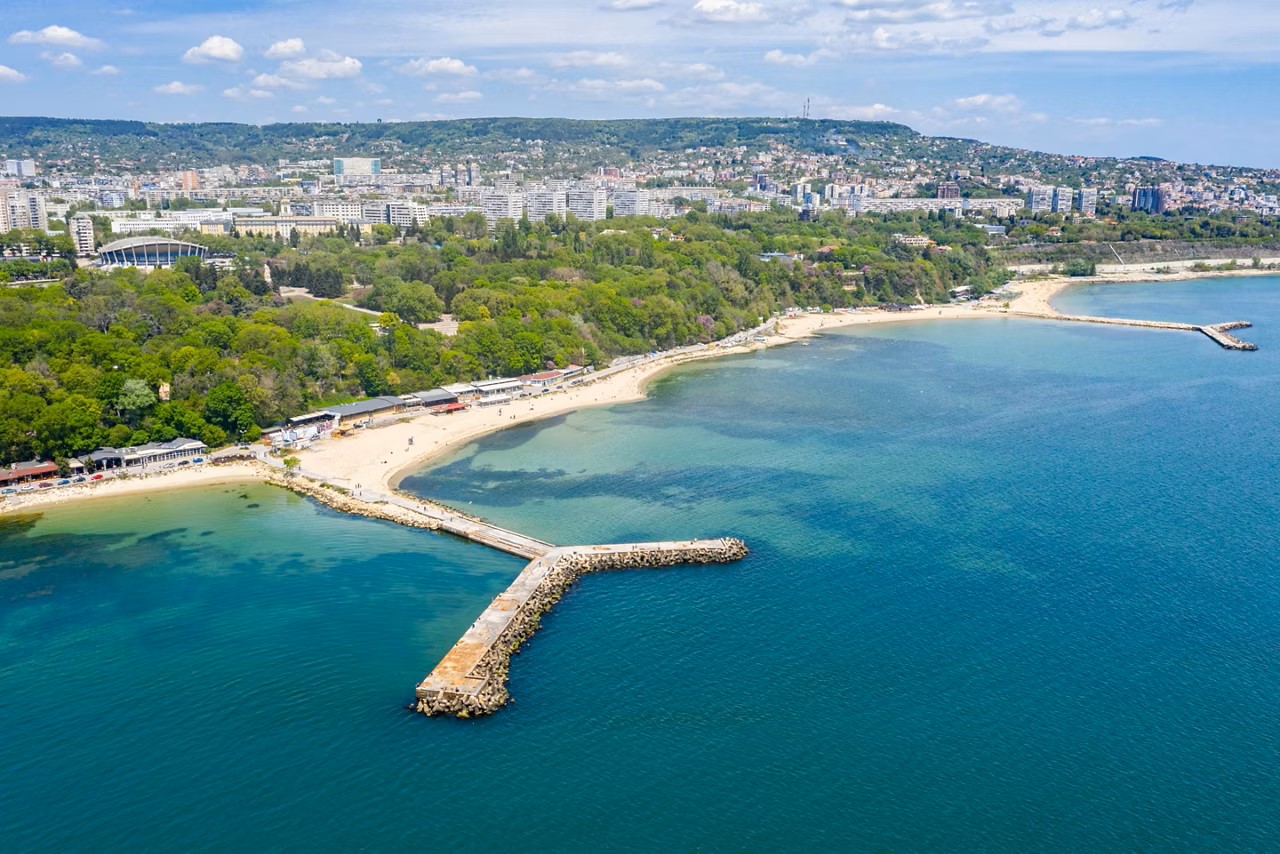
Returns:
(96, 477)
(168, 465)
(79, 479)
(184, 462)
(8, 490)
(198, 460)
(45, 484)
(27, 487)
(66, 481)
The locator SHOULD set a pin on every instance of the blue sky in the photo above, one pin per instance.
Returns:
(1186, 79)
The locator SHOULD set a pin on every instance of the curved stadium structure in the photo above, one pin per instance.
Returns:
(148, 252)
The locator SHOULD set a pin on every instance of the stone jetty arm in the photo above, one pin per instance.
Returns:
(471, 679)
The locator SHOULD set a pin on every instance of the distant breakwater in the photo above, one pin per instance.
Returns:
(1216, 332)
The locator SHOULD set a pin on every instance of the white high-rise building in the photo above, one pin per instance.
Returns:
(1087, 201)
(357, 166)
(1062, 198)
(1040, 200)
(588, 204)
(80, 228)
(20, 168)
(498, 206)
(539, 204)
(344, 212)
(631, 203)
(20, 209)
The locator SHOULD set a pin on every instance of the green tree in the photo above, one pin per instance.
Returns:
(135, 397)
(69, 427)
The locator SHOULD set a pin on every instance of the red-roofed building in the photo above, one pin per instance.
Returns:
(22, 472)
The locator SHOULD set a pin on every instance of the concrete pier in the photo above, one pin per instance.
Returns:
(1217, 332)
(471, 679)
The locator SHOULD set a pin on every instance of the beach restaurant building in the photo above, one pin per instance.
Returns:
(23, 472)
(152, 452)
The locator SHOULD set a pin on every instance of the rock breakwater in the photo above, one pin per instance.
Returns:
(471, 679)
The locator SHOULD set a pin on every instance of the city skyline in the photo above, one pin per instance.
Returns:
(1181, 79)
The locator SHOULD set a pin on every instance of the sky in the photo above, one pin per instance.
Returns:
(1190, 80)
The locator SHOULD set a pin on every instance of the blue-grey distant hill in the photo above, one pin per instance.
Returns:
(79, 142)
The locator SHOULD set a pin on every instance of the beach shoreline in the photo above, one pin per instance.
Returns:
(377, 459)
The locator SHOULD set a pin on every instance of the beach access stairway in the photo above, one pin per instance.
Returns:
(471, 679)
(1216, 332)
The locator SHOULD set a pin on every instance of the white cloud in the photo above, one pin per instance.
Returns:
(326, 66)
(459, 97)
(286, 49)
(730, 11)
(1091, 20)
(275, 81)
(987, 102)
(214, 49)
(922, 11)
(523, 76)
(1100, 19)
(326, 100)
(597, 89)
(632, 5)
(297, 108)
(11, 75)
(1102, 122)
(690, 70)
(440, 65)
(912, 41)
(56, 36)
(796, 60)
(241, 93)
(589, 58)
(105, 71)
(869, 112)
(177, 87)
(61, 60)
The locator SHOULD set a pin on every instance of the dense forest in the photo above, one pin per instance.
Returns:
(84, 143)
(91, 355)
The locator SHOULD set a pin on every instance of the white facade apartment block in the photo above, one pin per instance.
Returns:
(588, 204)
(1062, 199)
(498, 206)
(1087, 201)
(1040, 199)
(344, 212)
(631, 203)
(80, 228)
(542, 203)
(20, 209)
(20, 168)
(403, 214)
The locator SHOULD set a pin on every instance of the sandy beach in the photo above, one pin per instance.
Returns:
(374, 460)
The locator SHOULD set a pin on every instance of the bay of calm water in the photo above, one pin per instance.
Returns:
(1014, 585)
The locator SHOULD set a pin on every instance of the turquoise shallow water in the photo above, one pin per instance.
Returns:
(1013, 585)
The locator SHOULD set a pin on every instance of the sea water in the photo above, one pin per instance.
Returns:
(1013, 585)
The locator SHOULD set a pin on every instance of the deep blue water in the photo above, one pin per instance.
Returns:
(1013, 586)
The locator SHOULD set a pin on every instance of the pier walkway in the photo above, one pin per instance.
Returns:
(1216, 332)
(471, 679)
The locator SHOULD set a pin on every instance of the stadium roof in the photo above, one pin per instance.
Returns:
(146, 240)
